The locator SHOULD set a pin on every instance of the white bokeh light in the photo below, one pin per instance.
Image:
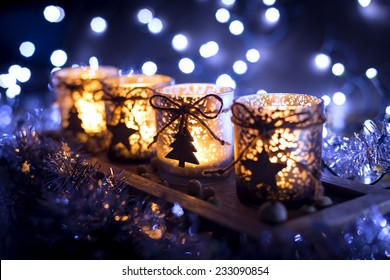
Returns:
(149, 68)
(371, 73)
(261, 91)
(209, 49)
(7, 80)
(98, 24)
(338, 69)
(155, 26)
(58, 58)
(240, 67)
(324, 132)
(14, 70)
(326, 99)
(27, 49)
(228, 2)
(253, 55)
(236, 27)
(222, 15)
(269, 2)
(13, 91)
(54, 13)
(364, 3)
(24, 75)
(179, 42)
(145, 16)
(186, 65)
(225, 80)
(339, 98)
(322, 61)
(272, 15)
(388, 110)
(94, 62)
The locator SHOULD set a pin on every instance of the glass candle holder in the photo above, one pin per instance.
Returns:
(130, 118)
(194, 131)
(278, 142)
(79, 97)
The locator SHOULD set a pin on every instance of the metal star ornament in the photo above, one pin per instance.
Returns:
(121, 134)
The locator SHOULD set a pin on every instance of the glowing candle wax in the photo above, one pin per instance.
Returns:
(194, 130)
(278, 142)
(130, 118)
(79, 97)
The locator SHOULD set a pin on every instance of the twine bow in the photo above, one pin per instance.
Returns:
(184, 110)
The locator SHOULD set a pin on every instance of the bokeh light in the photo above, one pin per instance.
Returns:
(269, 2)
(388, 110)
(5, 115)
(322, 61)
(338, 69)
(186, 65)
(7, 80)
(228, 2)
(236, 27)
(225, 80)
(145, 16)
(253, 55)
(326, 99)
(240, 67)
(94, 62)
(98, 24)
(27, 49)
(155, 26)
(371, 73)
(209, 49)
(364, 3)
(58, 58)
(53, 13)
(179, 42)
(24, 74)
(13, 91)
(149, 68)
(339, 98)
(272, 15)
(222, 15)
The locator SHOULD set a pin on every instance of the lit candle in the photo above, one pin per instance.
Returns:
(278, 142)
(130, 118)
(194, 130)
(79, 97)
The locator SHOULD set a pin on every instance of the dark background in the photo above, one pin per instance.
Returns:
(355, 36)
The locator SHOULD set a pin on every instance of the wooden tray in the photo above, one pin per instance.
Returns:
(351, 200)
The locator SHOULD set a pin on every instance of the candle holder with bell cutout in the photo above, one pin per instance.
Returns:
(79, 97)
(194, 131)
(130, 118)
(278, 142)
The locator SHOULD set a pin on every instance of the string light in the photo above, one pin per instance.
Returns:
(236, 27)
(322, 61)
(155, 26)
(252, 55)
(371, 73)
(209, 49)
(27, 49)
(222, 15)
(339, 98)
(149, 68)
(54, 14)
(179, 42)
(272, 15)
(240, 67)
(186, 65)
(364, 3)
(338, 69)
(145, 16)
(326, 99)
(98, 24)
(58, 58)
(225, 80)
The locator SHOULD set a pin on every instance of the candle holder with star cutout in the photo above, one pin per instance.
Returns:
(130, 118)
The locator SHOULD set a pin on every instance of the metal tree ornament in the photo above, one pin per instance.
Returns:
(194, 131)
(182, 149)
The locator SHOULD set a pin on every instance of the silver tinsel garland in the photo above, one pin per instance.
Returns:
(364, 157)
